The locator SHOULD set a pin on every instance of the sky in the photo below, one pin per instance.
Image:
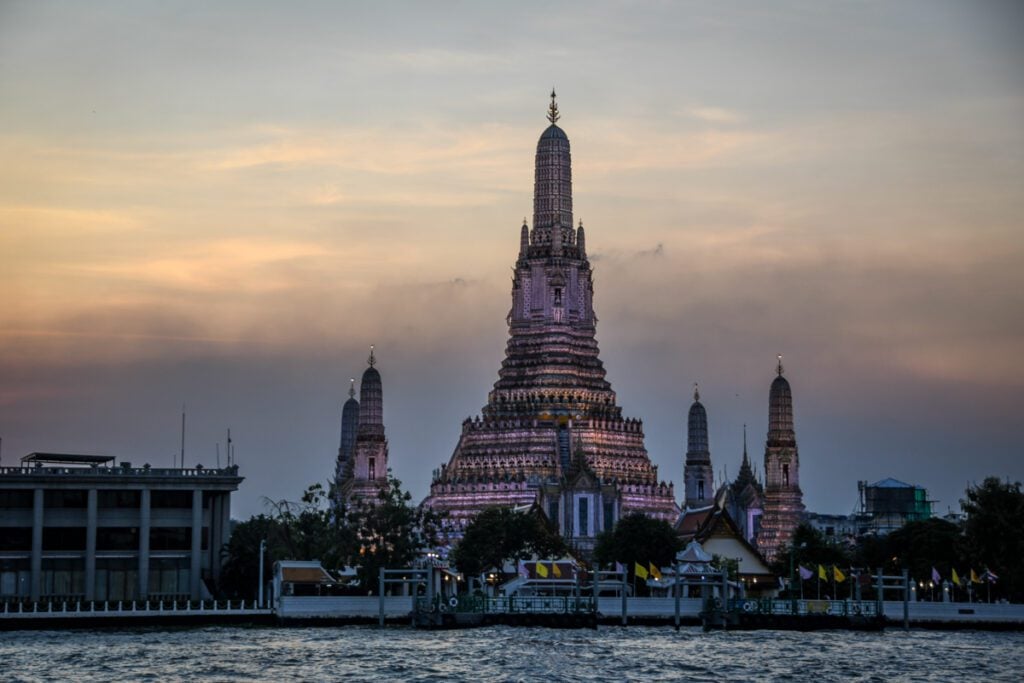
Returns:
(222, 205)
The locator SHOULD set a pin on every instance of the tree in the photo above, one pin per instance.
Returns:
(994, 531)
(638, 538)
(497, 535)
(389, 532)
(239, 577)
(918, 546)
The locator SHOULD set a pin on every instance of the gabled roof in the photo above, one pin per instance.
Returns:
(701, 524)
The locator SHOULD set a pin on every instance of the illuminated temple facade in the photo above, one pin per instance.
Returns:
(362, 466)
(783, 499)
(552, 433)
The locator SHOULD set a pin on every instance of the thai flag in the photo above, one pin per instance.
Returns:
(805, 573)
(935, 576)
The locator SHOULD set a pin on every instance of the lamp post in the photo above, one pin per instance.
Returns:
(263, 545)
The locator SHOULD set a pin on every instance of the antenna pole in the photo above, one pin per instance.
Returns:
(182, 436)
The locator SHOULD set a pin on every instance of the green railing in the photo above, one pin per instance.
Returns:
(841, 608)
(536, 604)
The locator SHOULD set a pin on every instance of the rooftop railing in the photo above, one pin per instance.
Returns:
(121, 471)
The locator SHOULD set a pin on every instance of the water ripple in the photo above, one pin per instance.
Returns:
(508, 654)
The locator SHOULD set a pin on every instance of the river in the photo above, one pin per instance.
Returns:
(499, 653)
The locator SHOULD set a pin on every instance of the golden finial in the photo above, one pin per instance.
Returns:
(373, 360)
(553, 114)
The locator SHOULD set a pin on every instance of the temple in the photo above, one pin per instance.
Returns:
(551, 432)
(783, 499)
(698, 479)
(349, 429)
(366, 468)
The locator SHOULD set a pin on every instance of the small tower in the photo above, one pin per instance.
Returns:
(581, 240)
(370, 458)
(349, 428)
(783, 499)
(698, 477)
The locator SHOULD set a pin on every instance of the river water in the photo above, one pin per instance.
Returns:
(500, 653)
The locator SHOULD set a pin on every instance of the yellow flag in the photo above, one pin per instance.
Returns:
(542, 571)
(974, 577)
(654, 572)
(640, 571)
(555, 570)
(956, 579)
(822, 574)
(840, 577)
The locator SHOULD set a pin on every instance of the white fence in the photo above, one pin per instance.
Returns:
(342, 606)
(129, 608)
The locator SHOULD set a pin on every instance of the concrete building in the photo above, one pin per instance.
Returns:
(888, 504)
(77, 527)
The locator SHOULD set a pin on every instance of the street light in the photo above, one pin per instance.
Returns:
(263, 545)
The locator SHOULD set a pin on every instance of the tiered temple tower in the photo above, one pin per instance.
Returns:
(551, 432)
(698, 479)
(366, 471)
(349, 430)
(746, 497)
(783, 500)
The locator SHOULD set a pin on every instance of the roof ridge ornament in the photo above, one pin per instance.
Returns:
(553, 114)
(372, 360)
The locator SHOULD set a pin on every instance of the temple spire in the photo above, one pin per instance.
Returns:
(553, 114)
(352, 388)
(780, 365)
(696, 392)
(372, 360)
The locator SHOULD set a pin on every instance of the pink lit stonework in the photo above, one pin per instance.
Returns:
(552, 433)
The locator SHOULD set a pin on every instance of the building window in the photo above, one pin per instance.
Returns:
(171, 499)
(169, 576)
(64, 499)
(119, 499)
(584, 525)
(117, 538)
(14, 499)
(558, 296)
(700, 490)
(553, 512)
(63, 578)
(609, 515)
(170, 538)
(13, 538)
(64, 538)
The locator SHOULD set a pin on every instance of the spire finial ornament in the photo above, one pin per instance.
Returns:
(372, 361)
(696, 392)
(780, 365)
(744, 442)
(352, 388)
(553, 114)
